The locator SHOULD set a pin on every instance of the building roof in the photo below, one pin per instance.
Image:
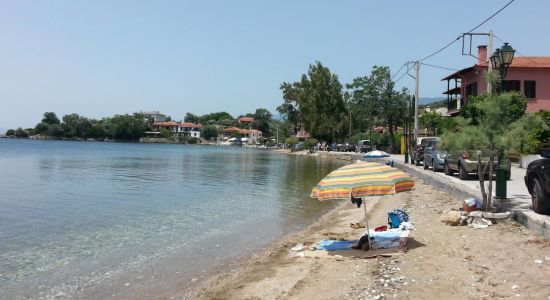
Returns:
(246, 119)
(166, 124)
(528, 62)
(531, 62)
(190, 125)
(232, 129)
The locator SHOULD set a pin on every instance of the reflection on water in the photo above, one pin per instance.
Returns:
(106, 220)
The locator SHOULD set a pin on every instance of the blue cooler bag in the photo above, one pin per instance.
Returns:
(396, 217)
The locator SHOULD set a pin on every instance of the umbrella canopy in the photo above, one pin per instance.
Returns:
(362, 179)
(376, 154)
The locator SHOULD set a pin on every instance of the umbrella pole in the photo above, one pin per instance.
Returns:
(367, 223)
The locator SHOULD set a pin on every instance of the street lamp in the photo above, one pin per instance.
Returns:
(502, 59)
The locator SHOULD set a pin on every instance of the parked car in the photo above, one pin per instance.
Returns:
(350, 147)
(537, 180)
(364, 146)
(465, 162)
(332, 147)
(340, 147)
(417, 150)
(298, 147)
(434, 157)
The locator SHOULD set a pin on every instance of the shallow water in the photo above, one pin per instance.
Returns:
(114, 220)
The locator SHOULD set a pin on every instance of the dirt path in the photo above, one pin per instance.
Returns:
(443, 262)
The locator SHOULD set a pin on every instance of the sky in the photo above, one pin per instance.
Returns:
(100, 58)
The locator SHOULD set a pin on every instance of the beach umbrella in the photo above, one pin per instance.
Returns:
(376, 154)
(362, 180)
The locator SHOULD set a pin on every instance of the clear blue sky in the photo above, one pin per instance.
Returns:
(99, 58)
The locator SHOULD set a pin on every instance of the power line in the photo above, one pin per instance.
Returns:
(394, 75)
(476, 27)
(440, 67)
(406, 72)
(489, 18)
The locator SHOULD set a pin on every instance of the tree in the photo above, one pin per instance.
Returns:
(373, 99)
(262, 118)
(21, 133)
(10, 132)
(192, 118)
(41, 128)
(487, 133)
(126, 127)
(209, 131)
(217, 117)
(431, 120)
(76, 126)
(289, 109)
(50, 118)
(319, 98)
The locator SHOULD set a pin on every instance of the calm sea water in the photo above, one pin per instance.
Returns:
(112, 220)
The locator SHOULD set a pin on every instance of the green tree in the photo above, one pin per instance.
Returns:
(192, 118)
(41, 128)
(165, 133)
(50, 118)
(217, 118)
(373, 100)
(21, 133)
(262, 118)
(76, 126)
(289, 109)
(432, 121)
(54, 130)
(126, 127)
(10, 132)
(320, 101)
(527, 134)
(486, 133)
(97, 131)
(209, 131)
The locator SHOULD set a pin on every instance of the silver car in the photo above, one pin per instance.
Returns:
(434, 157)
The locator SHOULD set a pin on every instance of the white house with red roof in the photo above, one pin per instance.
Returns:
(181, 128)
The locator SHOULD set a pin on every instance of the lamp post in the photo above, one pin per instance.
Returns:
(501, 61)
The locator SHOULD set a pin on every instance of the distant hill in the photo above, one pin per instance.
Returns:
(429, 100)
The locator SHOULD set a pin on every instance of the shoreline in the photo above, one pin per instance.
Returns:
(442, 261)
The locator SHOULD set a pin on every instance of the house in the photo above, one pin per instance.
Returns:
(529, 75)
(180, 129)
(154, 116)
(190, 129)
(252, 135)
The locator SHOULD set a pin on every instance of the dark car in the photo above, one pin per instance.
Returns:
(434, 157)
(417, 150)
(537, 180)
(350, 147)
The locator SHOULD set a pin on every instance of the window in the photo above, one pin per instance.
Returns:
(530, 89)
(471, 90)
(511, 85)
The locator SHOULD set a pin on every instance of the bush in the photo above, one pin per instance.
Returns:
(193, 140)
(10, 132)
(41, 128)
(291, 141)
(310, 143)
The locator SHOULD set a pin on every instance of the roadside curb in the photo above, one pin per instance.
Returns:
(526, 217)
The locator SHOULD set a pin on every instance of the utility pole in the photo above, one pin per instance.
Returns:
(489, 65)
(277, 134)
(350, 126)
(417, 99)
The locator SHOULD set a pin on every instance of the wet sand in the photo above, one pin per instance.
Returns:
(442, 261)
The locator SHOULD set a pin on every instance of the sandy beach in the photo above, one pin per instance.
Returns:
(444, 262)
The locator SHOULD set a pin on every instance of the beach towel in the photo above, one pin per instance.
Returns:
(333, 245)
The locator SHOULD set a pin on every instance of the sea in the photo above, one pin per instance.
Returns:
(100, 220)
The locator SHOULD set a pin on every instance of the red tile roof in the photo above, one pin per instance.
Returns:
(528, 62)
(246, 119)
(166, 124)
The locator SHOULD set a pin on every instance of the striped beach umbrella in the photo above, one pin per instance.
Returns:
(376, 154)
(360, 180)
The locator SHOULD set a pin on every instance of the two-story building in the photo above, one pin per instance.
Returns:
(180, 129)
(529, 75)
(252, 135)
